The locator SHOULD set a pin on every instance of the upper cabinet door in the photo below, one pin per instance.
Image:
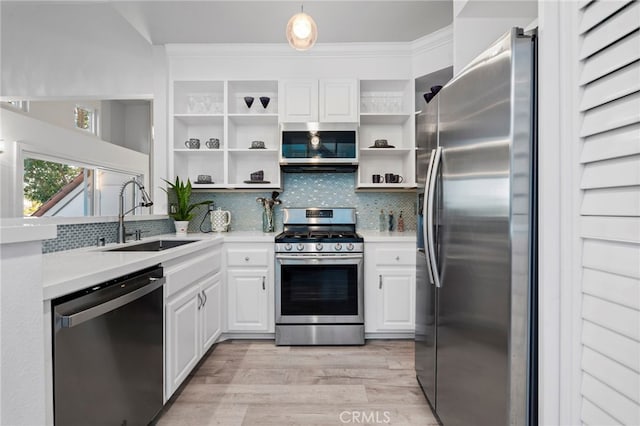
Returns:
(299, 101)
(339, 101)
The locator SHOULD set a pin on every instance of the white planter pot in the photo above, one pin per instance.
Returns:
(181, 227)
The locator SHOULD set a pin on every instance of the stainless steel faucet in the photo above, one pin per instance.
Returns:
(146, 202)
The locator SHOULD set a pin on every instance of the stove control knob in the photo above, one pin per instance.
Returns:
(350, 247)
(288, 247)
(300, 247)
(319, 246)
(338, 246)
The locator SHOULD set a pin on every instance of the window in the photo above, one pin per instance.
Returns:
(85, 119)
(54, 187)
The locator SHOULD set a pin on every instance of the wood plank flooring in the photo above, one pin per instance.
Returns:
(258, 383)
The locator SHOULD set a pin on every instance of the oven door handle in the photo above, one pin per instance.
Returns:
(320, 257)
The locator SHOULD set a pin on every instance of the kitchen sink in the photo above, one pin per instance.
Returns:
(157, 245)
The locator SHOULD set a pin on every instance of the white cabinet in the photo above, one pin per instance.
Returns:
(218, 109)
(250, 293)
(299, 101)
(193, 314)
(386, 112)
(182, 340)
(390, 287)
(248, 300)
(211, 311)
(330, 100)
(339, 101)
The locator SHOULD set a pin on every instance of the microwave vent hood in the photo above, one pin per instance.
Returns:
(319, 168)
(319, 147)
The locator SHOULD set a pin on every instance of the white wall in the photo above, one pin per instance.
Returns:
(478, 23)
(60, 113)
(71, 50)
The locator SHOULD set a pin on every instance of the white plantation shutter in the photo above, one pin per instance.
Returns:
(609, 80)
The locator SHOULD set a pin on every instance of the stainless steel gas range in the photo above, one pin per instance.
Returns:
(319, 278)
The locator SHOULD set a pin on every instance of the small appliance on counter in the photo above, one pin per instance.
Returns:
(220, 220)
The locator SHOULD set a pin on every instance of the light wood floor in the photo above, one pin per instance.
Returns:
(258, 383)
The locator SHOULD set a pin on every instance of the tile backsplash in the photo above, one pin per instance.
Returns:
(85, 234)
(309, 190)
(300, 190)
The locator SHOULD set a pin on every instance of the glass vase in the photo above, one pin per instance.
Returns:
(268, 224)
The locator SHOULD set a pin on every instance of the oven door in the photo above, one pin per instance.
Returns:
(319, 288)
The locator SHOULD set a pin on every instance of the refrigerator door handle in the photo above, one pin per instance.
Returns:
(429, 201)
(425, 207)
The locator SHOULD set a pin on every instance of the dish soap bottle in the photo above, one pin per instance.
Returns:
(382, 222)
(400, 222)
(390, 220)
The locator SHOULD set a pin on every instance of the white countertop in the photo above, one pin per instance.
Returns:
(380, 237)
(17, 231)
(68, 271)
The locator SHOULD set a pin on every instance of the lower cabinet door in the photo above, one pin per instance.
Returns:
(396, 299)
(183, 337)
(248, 303)
(210, 312)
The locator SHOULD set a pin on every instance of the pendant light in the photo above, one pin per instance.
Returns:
(302, 31)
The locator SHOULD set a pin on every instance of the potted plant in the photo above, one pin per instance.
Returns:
(183, 213)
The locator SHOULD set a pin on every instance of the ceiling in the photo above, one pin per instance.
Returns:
(264, 21)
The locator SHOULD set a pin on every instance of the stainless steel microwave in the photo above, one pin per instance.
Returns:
(306, 147)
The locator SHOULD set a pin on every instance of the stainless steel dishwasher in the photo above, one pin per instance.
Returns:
(108, 352)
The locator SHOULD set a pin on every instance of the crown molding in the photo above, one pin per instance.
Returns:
(442, 37)
(439, 38)
(360, 50)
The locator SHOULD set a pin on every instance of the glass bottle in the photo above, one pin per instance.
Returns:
(390, 220)
(400, 222)
(382, 221)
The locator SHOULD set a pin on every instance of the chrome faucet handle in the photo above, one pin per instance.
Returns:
(138, 234)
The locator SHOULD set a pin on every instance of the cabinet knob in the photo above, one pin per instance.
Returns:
(398, 258)
(246, 258)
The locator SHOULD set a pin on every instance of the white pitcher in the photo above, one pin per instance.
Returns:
(220, 220)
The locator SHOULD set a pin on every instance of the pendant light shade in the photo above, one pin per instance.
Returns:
(302, 31)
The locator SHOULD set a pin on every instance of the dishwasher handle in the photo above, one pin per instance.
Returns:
(77, 318)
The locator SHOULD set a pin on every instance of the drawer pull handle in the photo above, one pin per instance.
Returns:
(398, 258)
(263, 284)
(204, 295)
(380, 281)
(199, 301)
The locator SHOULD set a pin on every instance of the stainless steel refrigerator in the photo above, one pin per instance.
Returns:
(475, 275)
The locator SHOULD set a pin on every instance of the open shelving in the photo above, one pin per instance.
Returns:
(386, 112)
(217, 109)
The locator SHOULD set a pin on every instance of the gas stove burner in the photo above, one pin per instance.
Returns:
(319, 230)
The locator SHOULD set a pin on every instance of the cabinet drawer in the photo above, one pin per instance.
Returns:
(188, 272)
(237, 257)
(395, 256)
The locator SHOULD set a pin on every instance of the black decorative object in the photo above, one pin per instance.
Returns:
(429, 95)
(264, 100)
(248, 100)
